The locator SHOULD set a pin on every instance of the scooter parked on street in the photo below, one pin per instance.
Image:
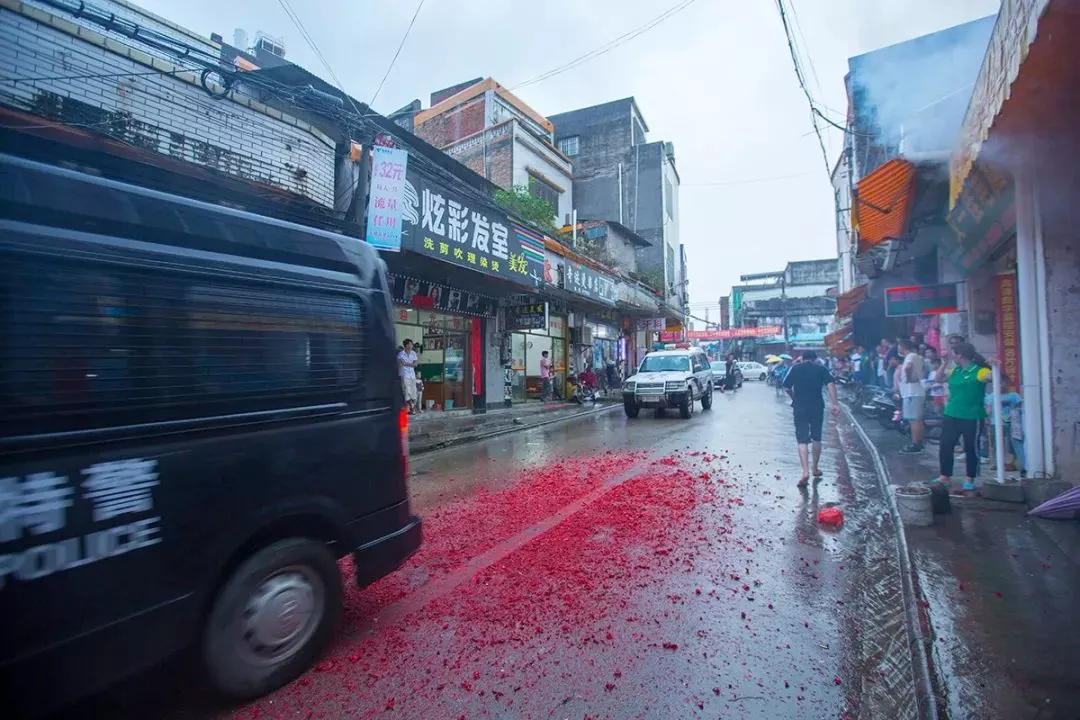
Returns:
(583, 388)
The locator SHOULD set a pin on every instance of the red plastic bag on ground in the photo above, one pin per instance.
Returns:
(831, 516)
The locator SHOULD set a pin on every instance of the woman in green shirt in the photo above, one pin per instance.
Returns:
(963, 411)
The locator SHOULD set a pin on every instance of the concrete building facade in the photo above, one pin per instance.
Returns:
(800, 299)
(620, 176)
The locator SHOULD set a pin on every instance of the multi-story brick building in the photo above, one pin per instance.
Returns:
(484, 126)
(620, 176)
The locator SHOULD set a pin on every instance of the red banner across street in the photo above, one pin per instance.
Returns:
(730, 334)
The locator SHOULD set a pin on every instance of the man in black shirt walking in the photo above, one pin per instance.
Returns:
(804, 383)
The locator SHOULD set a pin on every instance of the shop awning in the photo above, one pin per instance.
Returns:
(839, 340)
(883, 202)
(1019, 25)
(848, 302)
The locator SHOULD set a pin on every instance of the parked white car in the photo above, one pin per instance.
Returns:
(670, 379)
(754, 371)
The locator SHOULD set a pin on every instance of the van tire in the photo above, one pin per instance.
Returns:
(706, 399)
(278, 576)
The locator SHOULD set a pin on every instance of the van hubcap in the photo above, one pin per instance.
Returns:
(282, 615)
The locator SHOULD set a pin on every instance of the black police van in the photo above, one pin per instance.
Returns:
(200, 414)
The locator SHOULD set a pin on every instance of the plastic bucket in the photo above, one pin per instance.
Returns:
(914, 504)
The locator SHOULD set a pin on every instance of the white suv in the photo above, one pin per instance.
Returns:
(668, 379)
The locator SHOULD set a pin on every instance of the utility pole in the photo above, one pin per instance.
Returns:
(783, 306)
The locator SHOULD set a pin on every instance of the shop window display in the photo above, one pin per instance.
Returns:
(443, 341)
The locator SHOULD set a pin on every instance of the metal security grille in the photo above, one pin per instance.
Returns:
(90, 344)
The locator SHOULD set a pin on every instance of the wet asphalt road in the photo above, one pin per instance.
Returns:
(614, 568)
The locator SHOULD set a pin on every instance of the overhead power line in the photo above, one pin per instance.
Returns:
(609, 46)
(397, 53)
(318, 53)
(96, 76)
(804, 47)
(814, 112)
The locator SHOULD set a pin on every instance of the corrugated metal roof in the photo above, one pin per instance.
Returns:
(848, 302)
(883, 203)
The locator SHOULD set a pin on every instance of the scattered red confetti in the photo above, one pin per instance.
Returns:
(628, 537)
(836, 680)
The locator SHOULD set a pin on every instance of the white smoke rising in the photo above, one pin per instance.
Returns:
(915, 93)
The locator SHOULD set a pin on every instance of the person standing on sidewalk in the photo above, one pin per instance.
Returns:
(804, 383)
(407, 367)
(545, 377)
(912, 394)
(964, 410)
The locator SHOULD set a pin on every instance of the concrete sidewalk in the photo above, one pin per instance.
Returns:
(433, 430)
(999, 592)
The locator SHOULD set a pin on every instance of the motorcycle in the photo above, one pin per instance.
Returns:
(584, 388)
(871, 399)
(890, 416)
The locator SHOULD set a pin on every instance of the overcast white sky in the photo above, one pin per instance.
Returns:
(715, 79)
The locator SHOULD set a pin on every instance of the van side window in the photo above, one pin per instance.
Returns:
(266, 340)
(88, 345)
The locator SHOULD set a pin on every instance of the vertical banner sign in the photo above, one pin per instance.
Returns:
(388, 168)
(1008, 329)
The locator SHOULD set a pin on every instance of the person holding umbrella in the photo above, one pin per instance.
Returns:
(782, 370)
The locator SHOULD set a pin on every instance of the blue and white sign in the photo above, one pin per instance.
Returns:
(388, 167)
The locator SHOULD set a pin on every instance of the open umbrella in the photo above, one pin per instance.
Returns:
(1064, 505)
(773, 360)
(785, 356)
(770, 358)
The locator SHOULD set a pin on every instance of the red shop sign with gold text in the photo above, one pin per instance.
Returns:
(1008, 328)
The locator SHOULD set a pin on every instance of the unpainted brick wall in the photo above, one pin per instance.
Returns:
(454, 124)
(129, 101)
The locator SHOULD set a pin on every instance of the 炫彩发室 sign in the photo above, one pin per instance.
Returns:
(448, 225)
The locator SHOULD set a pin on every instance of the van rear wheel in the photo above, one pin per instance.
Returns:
(272, 618)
